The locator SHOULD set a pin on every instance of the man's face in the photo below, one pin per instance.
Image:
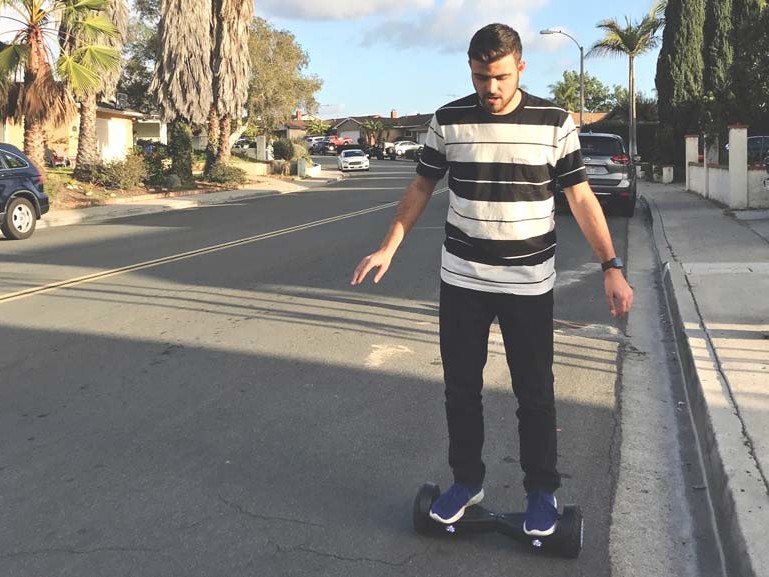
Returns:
(496, 83)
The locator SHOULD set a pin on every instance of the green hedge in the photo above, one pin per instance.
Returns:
(646, 133)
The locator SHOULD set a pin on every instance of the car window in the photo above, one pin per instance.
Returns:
(353, 153)
(13, 161)
(600, 146)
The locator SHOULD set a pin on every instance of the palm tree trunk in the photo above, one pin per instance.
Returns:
(87, 153)
(631, 108)
(34, 142)
(224, 139)
(213, 131)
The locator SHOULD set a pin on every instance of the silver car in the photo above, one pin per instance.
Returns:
(610, 171)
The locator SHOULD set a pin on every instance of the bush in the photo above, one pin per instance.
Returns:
(124, 174)
(225, 174)
(180, 150)
(155, 156)
(283, 149)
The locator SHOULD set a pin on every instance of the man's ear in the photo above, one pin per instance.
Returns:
(521, 66)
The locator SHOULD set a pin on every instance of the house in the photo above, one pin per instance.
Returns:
(114, 133)
(294, 128)
(413, 127)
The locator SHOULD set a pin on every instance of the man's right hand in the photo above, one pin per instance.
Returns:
(380, 259)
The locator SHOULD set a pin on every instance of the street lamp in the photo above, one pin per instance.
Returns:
(581, 69)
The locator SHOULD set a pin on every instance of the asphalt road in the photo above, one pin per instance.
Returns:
(206, 395)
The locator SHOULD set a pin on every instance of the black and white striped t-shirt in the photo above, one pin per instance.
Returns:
(500, 230)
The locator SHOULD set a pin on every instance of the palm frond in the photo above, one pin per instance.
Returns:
(95, 26)
(97, 5)
(100, 59)
(46, 99)
(81, 78)
(12, 57)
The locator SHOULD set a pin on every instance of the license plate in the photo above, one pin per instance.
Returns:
(596, 169)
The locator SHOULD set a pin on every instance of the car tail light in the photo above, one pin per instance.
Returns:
(621, 159)
(40, 179)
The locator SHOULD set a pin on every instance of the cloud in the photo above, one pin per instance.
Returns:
(339, 9)
(450, 25)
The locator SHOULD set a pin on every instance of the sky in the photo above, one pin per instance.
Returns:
(410, 56)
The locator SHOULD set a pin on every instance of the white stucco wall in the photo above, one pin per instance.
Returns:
(758, 197)
(114, 137)
(718, 186)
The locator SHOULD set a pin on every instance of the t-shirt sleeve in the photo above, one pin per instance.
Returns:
(432, 162)
(569, 167)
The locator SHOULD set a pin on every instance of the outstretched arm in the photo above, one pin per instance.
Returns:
(413, 202)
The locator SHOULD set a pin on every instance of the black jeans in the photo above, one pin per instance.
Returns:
(527, 330)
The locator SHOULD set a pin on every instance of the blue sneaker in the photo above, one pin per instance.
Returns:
(541, 514)
(450, 506)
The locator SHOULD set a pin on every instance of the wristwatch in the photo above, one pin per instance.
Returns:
(615, 262)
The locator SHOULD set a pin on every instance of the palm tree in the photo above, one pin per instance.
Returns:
(182, 77)
(632, 40)
(231, 65)
(373, 129)
(116, 12)
(35, 86)
(317, 128)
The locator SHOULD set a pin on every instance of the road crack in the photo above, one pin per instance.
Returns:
(243, 511)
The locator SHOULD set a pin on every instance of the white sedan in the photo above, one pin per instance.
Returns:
(352, 159)
(400, 147)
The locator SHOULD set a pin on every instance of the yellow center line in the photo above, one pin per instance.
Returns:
(190, 254)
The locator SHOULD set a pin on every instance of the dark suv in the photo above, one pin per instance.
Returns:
(610, 171)
(22, 200)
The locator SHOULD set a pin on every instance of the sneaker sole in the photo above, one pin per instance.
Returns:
(477, 498)
(546, 532)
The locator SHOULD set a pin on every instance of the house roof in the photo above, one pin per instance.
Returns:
(111, 109)
(409, 121)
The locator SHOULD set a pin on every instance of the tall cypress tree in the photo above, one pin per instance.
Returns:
(718, 56)
(680, 68)
(718, 51)
(745, 16)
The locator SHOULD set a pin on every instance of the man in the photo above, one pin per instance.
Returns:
(503, 148)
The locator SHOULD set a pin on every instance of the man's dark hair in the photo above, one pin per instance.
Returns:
(493, 42)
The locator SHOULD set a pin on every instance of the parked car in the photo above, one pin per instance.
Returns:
(610, 172)
(352, 159)
(330, 144)
(758, 148)
(401, 146)
(22, 200)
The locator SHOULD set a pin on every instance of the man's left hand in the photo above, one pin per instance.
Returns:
(618, 292)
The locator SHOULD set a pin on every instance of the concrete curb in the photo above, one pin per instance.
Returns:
(144, 205)
(720, 432)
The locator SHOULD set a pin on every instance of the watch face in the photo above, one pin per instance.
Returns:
(615, 262)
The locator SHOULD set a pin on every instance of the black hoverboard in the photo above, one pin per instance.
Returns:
(566, 540)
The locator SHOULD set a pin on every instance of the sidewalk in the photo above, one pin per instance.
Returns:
(715, 267)
(133, 207)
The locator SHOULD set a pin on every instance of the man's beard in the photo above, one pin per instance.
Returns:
(498, 105)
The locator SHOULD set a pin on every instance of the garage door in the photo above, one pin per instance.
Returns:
(354, 134)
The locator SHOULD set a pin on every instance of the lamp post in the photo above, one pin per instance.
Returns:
(581, 69)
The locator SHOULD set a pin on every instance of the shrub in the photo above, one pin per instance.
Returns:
(180, 150)
(126, 173)
(225, 174)
(283, 149)
(155, 156)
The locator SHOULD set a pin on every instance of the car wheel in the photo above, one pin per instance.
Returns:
(19, 220)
